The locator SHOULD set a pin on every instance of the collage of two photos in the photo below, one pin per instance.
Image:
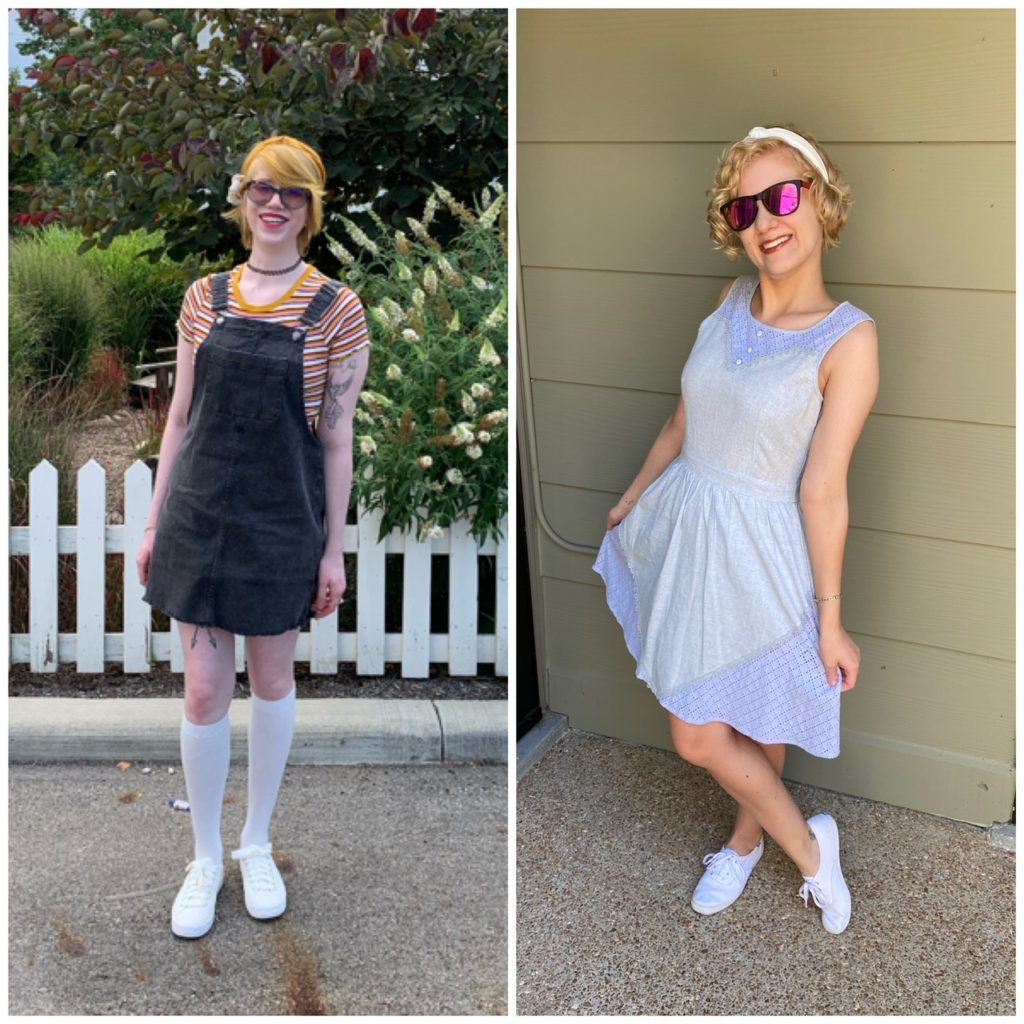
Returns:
(293, 294)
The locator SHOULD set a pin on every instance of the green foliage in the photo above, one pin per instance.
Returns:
(42, 417)
(55, 306)
(141, 298)
(75, 303)
(158, 122)
(432, 426)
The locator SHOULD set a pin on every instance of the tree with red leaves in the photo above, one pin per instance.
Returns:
(156, 109)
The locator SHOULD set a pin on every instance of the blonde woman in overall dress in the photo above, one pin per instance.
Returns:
(724, 556)
(246, 527)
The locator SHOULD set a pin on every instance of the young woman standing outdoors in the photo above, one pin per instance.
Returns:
(246, 528)
(724, 556)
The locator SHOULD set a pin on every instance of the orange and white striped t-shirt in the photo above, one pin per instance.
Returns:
(339, 332)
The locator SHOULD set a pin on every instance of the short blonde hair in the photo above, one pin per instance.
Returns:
(831, 197)
(290, 163)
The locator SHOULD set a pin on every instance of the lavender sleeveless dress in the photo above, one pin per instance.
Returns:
(709, 574)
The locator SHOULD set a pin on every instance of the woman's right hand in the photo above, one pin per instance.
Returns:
(618, 513)
(143, 556)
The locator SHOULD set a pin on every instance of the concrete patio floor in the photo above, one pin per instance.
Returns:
(610, 839)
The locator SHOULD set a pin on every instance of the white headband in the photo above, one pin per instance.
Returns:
(798, 142)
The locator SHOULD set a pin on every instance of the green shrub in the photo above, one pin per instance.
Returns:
(54, 299)
(75, 324)
(141, 298)
(25, 339)
(42, 419)
(74, 304)
(433, 419)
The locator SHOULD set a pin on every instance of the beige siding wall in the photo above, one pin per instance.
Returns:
(622, 115)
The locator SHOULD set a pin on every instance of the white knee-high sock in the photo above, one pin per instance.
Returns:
(205, 756)
(271, 724)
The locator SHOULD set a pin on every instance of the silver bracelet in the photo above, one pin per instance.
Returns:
(834, 597)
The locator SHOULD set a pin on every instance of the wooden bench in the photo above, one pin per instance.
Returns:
(159, 376)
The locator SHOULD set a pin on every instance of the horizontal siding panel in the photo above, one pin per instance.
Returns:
(918, 694)
(934, 593)
(641, 208)
(905, 691)
(976, 790)
(629, 74)
(948, 481)
(614, 330)
(595, 437)
(944, 354)
(951, 481)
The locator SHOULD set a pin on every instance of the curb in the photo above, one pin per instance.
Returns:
(327, 730)
(538, 741)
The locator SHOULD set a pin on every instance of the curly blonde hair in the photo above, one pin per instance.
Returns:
(290, 163)
(832, 198)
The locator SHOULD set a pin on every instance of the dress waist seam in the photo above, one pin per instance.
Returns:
(766, 490)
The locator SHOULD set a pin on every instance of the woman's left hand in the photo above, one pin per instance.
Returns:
(330, 587)
(838, 649)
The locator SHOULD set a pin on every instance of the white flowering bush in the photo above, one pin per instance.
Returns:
(432, 421)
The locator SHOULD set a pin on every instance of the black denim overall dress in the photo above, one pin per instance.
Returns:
(241, 532)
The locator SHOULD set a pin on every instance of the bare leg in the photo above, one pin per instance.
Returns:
(209, 672)
(271, 664)
(743, 769)
(747, 831)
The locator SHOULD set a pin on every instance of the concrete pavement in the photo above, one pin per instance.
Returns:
(396, 878)
(610, 838)
(327, 730)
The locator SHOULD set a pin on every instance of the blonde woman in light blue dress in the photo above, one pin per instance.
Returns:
(723, 558)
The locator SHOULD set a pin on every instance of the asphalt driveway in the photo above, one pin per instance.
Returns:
(396, 875)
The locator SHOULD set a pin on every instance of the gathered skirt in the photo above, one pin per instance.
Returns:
(710, 581)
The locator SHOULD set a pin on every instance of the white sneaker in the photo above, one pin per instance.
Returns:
(828, 887)
(194, 906)
(725, 878)
(265, 896)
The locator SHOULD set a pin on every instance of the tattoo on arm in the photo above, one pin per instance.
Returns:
(336, 387)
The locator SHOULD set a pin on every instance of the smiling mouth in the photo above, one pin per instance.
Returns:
(273, 220)
(774, 244)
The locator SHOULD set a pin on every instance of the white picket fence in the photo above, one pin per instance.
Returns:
(462, 648)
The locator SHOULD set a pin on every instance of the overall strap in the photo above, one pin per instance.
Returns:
(219, 284)
(320, 302)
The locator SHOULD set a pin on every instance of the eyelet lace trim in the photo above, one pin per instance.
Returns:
(750, 339)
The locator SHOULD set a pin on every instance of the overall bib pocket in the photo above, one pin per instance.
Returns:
(244, 386)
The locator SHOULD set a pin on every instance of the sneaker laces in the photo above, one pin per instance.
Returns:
(725, 862)
(200, 880)
(258, 867)
(813, 889)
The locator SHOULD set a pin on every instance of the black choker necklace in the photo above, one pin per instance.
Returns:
(287, 270)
